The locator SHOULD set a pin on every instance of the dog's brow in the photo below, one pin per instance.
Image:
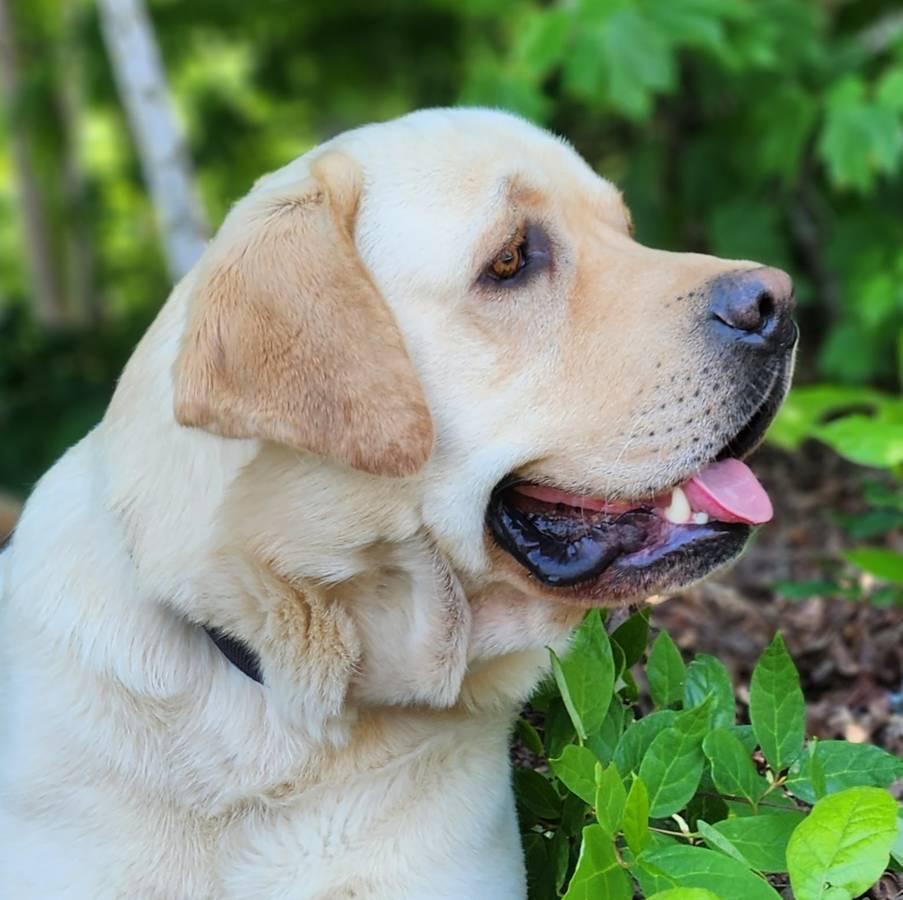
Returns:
(519, 191)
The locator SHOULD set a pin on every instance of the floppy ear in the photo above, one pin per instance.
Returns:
(289, 340)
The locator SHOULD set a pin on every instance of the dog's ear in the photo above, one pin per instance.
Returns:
(289, 340)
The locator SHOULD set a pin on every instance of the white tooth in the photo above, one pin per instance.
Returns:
(700, 518)
(678, 511)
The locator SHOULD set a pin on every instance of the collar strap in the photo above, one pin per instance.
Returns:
(237, 652)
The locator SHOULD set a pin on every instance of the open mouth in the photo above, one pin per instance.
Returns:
(595, 550)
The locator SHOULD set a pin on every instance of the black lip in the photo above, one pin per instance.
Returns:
(591, 555)
(751, 434)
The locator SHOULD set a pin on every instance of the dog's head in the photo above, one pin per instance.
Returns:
(457, 299)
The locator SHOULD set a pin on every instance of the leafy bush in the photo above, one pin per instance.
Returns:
(674, 799)
(866, 427)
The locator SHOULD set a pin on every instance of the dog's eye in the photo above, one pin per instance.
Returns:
(510, 261)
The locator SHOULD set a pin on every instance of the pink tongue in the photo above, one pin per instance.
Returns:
(729, 492)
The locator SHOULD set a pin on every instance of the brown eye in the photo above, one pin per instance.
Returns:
(510, 261)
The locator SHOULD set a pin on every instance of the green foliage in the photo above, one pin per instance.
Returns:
(54, 387)
(866, 427)
(690, 804)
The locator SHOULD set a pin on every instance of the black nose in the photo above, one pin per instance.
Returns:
(753, 308)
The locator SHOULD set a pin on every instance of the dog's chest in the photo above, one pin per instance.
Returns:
(418, 832)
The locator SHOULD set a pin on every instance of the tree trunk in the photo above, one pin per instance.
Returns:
(46, 293)
(139, 75)
(84, 306)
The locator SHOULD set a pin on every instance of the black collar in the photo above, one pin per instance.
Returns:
(237, 652)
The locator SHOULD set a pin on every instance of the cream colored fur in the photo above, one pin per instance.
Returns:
(246, 475)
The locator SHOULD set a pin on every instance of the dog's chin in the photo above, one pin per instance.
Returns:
(594, 559)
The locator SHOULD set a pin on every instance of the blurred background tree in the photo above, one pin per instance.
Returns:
(764, 129)
(767, 129)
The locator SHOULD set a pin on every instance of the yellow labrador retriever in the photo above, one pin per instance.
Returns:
(423, 401)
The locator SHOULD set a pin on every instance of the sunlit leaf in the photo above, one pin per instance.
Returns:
(777, 709)
(598, 873)
(843, 845)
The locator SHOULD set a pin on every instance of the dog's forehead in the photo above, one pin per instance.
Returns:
(471, 156)
(451, 174)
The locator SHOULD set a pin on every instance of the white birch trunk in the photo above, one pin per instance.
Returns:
(47, 300)
(83, 305)
(139, 75)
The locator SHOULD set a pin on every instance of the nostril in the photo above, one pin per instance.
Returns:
(750, 312)
(766, 308)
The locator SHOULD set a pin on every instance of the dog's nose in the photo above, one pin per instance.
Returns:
(753, 308)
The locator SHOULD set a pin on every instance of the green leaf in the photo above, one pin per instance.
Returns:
(604, 741)
(673, 764)
(683, 893)
(806, 408)
(696, 721)
(636, 817)
(573, 815)
(732, 769)
(860, 138)
(865, 440)
(776, 706)
(817, 771)
(889, 90)
(632, 636)
(746, 736)
(529, 736)
(777, 801)
(559, 859)
(652, 879)
(638, 62)
(559, 729)
(707, 675)
(897, 850)
(576, 767)
(665, 671)
(841, 848)
(718, 841)
(762, 840)
(637, 737)
(844, 765)
(700, 868)
(585, 676)
(598, 873)
(541, 39)
(785, 119)
(540, 874)
(536, 794)
(610, 798)
(706, 805)
(878, 561)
